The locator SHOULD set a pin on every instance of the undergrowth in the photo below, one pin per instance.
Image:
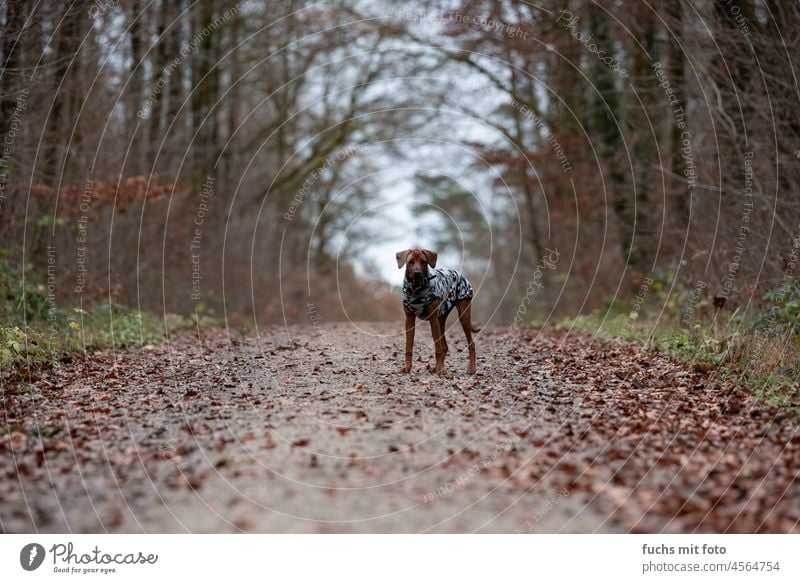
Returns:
(759, 350)
(35, 334)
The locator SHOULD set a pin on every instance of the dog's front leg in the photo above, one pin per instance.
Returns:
(438, 345)
(410, 318)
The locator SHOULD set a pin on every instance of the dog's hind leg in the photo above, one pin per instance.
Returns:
(464, 309)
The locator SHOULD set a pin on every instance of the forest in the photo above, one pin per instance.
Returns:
(161, 154)
(613, 169)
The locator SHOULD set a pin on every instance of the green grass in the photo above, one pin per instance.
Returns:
(31, 346)
(35, 334)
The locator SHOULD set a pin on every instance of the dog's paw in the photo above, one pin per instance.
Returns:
(472, 369)
(405, 370)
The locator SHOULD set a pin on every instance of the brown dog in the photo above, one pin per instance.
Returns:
(430, 294)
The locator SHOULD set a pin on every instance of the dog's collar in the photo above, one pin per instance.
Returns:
(416, 291)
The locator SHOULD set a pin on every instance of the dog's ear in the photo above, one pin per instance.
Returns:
(430, 256)
(401, 257)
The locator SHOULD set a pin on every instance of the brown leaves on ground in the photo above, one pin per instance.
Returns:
(312, 429)
(659, 447)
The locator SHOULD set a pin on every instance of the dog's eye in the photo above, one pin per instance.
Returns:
(424, 262)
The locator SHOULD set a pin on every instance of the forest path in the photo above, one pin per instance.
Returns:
(312, 429)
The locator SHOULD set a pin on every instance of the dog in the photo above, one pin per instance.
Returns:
(430, 294)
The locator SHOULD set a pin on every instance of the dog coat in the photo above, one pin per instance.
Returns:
(448, 284)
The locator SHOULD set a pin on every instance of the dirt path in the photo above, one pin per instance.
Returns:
(311, 429)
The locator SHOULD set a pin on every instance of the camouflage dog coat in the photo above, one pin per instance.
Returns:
(448, 284)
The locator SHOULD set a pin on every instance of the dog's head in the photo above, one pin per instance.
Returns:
(416, 262)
